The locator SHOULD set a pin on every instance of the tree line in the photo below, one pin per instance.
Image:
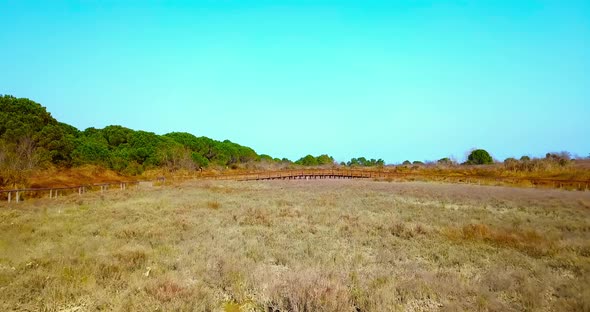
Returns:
(31, 138)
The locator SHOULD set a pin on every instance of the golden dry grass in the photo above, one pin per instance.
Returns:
(299, 246)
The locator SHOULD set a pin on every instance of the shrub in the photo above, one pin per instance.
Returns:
(511, 163)
(444, 161)
(525, 158)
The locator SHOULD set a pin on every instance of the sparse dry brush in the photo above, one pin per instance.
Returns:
(299, 246)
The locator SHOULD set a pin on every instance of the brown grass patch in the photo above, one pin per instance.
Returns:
(167, 290)
(214, 204)
(132, 259)
(528, 241)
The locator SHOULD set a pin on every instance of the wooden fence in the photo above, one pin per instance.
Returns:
(16, 195)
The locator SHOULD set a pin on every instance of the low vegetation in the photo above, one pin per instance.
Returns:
(328, 245)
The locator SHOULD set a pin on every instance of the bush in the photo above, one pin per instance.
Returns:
(444, 161)
(511, 163)
(479, 157)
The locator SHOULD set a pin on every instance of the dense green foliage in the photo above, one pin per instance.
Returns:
(24, 120)
(30, 137)
(310, 160)
(363, 162)
(479, 157)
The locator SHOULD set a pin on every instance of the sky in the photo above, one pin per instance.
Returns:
(397, 80)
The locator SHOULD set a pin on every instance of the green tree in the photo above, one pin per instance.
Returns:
(308, 160)
(325, 160)
(479, 157)
(23, 119)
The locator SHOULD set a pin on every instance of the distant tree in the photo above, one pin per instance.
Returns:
(353, 162)
(406, 163)
(364, 162)
(417, 162)
(325, 160)
(479, 157)
(525, 158)
(308, 160)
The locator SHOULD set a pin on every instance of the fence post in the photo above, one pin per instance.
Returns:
(79, 191)
(9, 196)
(17, 196)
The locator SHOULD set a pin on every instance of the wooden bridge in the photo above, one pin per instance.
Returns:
(339, 173)
(306, 174)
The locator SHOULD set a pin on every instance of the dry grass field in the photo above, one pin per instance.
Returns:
(329, 245)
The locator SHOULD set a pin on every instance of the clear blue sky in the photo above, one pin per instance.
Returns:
(397, 80)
